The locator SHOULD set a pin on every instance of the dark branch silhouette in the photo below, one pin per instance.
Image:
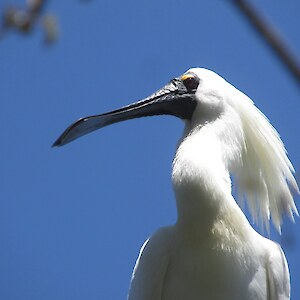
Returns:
(269, 35)
(24, 19)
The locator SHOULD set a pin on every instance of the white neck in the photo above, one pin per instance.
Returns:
(201, 177)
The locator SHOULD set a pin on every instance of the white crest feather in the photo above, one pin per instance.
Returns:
(265, 175)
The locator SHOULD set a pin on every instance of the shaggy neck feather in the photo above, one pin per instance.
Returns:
(201, 177)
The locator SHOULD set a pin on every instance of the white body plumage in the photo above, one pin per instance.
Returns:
(212, 252)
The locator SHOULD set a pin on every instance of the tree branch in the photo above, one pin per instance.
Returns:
(269, 35)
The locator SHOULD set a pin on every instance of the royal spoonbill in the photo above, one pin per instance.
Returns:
(212, 252)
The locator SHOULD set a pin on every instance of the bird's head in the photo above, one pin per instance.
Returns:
(197, 95)
(209, 93)
(200, 96)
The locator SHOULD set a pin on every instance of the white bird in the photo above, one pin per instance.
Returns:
(212, 252)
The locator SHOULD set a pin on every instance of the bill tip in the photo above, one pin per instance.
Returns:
(57, 143)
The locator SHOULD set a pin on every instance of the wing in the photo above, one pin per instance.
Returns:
(147, 280)
(278, 276)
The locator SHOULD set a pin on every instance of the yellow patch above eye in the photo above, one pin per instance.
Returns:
(186, 76)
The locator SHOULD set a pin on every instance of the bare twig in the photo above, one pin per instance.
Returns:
(271, 37)
(24, 19)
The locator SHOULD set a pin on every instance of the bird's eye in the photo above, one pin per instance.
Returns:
(190, 81)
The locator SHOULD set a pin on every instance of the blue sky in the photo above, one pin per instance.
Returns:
(72, 220)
